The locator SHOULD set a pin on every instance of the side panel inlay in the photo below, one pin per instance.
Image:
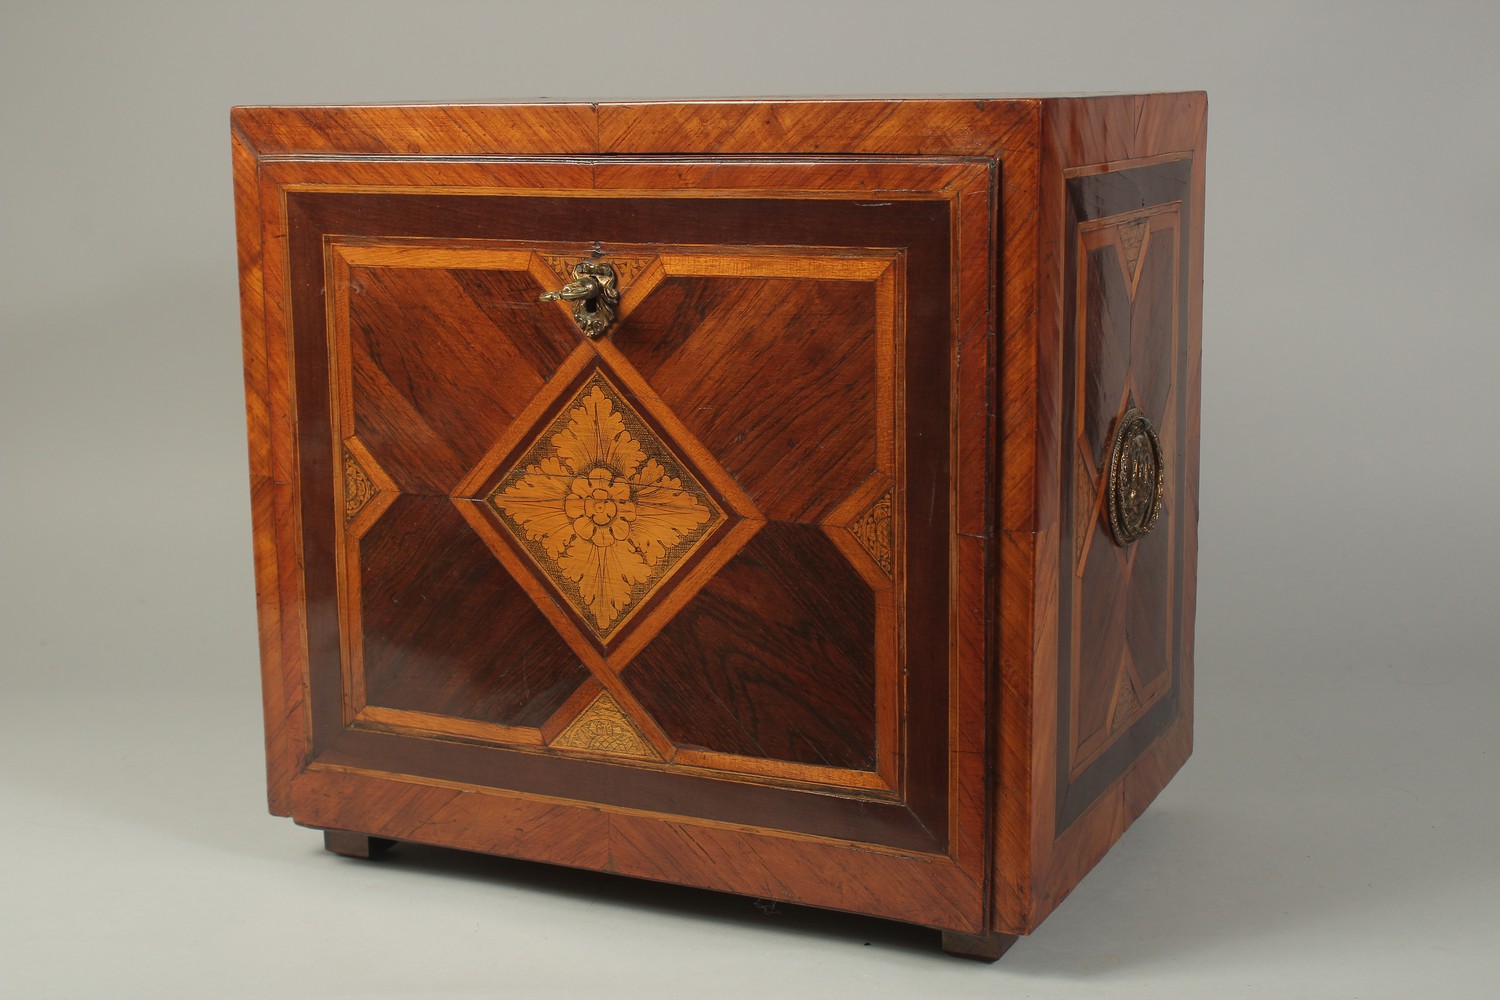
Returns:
(1119, 642)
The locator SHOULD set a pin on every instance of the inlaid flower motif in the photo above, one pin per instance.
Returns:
(605, 519)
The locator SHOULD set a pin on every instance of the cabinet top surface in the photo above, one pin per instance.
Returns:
(966, 98)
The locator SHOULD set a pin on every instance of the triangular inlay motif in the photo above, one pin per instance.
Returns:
(1084, 511)
(627, 268)
(1127, 704)
(872, 529)
(561, 264)
(1132, 237)
(603, 728)
(358, 488)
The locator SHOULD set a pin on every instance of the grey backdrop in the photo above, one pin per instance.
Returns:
(1335, 833)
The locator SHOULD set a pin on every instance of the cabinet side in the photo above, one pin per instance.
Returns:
(263, 487)
(1115, 546)
(1015, 594)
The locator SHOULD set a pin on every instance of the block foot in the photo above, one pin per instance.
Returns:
(355, 845)
(980, 947)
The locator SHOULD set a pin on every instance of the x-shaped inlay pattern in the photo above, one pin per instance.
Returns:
(607, 509)
(1127, 363)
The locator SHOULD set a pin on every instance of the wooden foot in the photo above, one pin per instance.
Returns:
(981, 947)
(355, 845)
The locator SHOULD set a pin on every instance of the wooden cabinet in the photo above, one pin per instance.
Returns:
(791, 498)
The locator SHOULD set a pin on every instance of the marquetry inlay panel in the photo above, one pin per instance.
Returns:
(603, 507)
(703, 561)
(1127, 320)
(1120, 641)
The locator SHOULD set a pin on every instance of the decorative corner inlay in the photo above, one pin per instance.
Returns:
(1134, 492)
(627, 268)
(603, 728)
(872, 530)
(561, 264)
(358, 489)
(1086, 505)
(1132, 236)
(603, 506)
(1127, 703)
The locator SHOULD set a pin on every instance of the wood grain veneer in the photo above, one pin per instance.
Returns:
(796, 583)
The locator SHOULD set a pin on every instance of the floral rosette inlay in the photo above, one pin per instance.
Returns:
(603, 506)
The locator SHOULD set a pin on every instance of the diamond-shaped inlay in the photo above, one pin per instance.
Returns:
(603, 507)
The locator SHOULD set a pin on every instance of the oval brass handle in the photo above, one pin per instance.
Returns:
(594, 292)
(1135, 478)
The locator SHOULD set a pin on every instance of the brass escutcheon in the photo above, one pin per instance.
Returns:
(1134, 490)
(594, 292)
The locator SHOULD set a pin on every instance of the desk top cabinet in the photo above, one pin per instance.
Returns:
(794, 498)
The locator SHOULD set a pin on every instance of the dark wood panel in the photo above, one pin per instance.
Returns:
(777, 377)
(318, 521)
(509, 299)
(774, 658)
(1101, 634)
(445, 628)
(671, 314)
(1149, 613)
(1106, 329)
(439, 373)
(1152, 367)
